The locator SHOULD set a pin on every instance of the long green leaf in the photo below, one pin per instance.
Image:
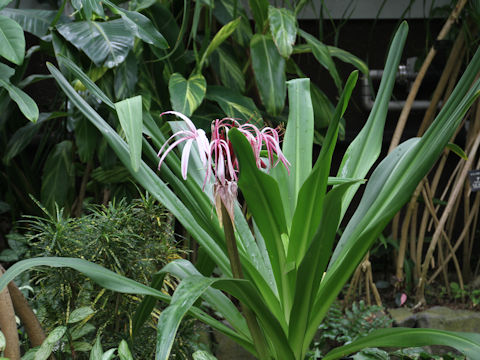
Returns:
(186, 95)
(467, 343)
(218, 39)
(283, 27)
(323, 56)
(12, 41)
(248, 295)
(112, 281)
(145, 176)
(308, 211)
(391, 186)
(185, 295)
(347, 57)
(105, 43)
(269, 69)
(312, 267)
(263, 198)
(365, 149)
(219, 302)
(86, 81)
(297, 144)
(25, 103)
(129, 113)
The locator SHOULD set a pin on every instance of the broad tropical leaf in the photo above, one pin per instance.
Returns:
(186, 95)
(129, 113)
(259, 10)
(126, 77)
(228, 68)
(12, 41)
(235, 105)
(58, 177)
(34, 21)
(140, 25)
(283, 28)
(105, 43)
(269, 69)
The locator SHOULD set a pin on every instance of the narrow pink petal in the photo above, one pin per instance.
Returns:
(171, 147)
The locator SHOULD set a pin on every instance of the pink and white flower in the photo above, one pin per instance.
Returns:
(217, 155)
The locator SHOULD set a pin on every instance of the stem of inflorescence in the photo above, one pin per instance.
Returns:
(257, 334)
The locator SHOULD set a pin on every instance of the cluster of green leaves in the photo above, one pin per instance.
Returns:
(133, 239)
(292, 272)
(343, 327)
(469, 292)
(222, 65)
(68, 341)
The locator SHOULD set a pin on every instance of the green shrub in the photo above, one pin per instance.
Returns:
(133, 239)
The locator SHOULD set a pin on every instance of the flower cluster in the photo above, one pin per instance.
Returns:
(217, 155)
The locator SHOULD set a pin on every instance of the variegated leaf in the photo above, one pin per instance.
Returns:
(186, 95)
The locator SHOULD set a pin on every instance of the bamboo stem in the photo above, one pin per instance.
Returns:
(8, 325)
(256, 332)
(453, 195)
(421, 74)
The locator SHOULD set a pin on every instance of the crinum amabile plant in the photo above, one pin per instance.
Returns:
(287, 270)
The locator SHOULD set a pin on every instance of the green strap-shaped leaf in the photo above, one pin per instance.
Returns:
(467, 343)
(185, 295)
(155, 186)
(34, 21)
(269, 69)
(312, 267)
(25, 103)
(186, 95)
(347, 57)
(262, 195)
(105, 43)
(86, 81)
(249, 296)
(12, 41)
(115, 282)
(235, 105)
(365, 149)
(219, 302)
(283, 28)
(123, 351)
(297, 144)
(219, 38)
(308, 211)
(129, 113)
